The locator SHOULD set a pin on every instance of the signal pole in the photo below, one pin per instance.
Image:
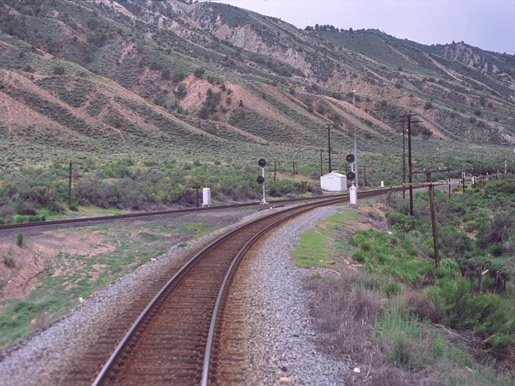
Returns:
(329, 146)
(355, 138)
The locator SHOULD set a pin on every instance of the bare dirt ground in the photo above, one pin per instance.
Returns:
(42, 245)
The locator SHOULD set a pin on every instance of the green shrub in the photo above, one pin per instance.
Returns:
(484, 314)
(496, 250)
(498, 230)
(392, 288)
(58, 70)
(199, 72)
(19, 240)
(400, 221)
(9, 261)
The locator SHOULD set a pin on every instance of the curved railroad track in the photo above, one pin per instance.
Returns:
(174, 340)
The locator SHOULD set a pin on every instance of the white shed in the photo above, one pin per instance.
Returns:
(333, 182)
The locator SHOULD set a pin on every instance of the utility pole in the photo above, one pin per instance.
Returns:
(433, 219)
(433, 215)
(197, 187)
(403, 161)
(275, 171)
(321, 164)
(70, 177)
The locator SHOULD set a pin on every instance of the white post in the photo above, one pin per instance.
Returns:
(263, 200)
(206, 197)
(353, 195)
(382, 184)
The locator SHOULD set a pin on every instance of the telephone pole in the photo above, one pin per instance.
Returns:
(403, 161)
(433, 214)
(70, 178)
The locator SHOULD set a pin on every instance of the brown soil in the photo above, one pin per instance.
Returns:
(30, 260)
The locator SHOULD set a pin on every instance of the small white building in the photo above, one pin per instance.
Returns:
(333, 182)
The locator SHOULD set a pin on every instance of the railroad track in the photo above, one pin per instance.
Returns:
(155, 213)
(174, 340)
(95, 220)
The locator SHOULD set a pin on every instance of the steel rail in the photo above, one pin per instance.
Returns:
(230, 273)
(185, 210)
(234, 265)
(171, 283)
(158, 213)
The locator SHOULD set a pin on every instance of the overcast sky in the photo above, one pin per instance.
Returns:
(487, 24)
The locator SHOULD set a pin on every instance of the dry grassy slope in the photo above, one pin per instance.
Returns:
(262, 67)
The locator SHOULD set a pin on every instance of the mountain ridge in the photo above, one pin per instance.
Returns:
(175, 76)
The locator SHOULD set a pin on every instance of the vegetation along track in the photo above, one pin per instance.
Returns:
(174, 338)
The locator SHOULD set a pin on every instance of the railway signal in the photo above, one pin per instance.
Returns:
(261, 178)
(351, 176)
(350, 158)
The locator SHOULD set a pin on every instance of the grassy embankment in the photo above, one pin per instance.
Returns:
(391, 306)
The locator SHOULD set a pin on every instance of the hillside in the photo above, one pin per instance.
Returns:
(211, 81)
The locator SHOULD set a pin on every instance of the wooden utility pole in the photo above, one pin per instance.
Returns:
(433, 215)
(449, 181)
(433, 220)
(275, 171)
(70, 178)
(321, 164)
(403, 161)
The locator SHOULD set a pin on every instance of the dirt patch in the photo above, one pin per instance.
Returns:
(21, 268)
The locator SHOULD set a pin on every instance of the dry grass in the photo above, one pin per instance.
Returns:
(419, 305)
(344, 313)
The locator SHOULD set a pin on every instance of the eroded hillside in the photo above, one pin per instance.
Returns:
(205, 80)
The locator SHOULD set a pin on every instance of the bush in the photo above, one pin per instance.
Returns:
(498, 230)
(199, 72)
(392, 288)
(400, 221)
(9, 261)
(19, 240)
(58, 70)
(484, 314)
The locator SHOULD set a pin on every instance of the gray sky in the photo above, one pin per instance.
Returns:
(487, 24)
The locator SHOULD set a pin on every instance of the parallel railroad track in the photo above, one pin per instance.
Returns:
(111, 218)
(174, 340)
(156, 213)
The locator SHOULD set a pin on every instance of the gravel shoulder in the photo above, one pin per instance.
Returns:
(270, 329)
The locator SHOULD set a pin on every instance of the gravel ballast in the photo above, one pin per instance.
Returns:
(275, 335)
(281, 344)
